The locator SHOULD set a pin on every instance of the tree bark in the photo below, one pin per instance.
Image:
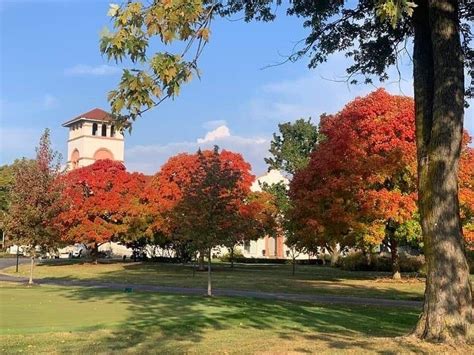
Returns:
(232, 258)
(201, 261)
(395, 258)
(293, 265)
(334, 251)
(209, 280)
(439, 107)
(30, 281)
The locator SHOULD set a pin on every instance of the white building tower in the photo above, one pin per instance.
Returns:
(92, 136)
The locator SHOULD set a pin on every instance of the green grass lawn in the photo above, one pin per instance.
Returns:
(270, 278)
(50, 319)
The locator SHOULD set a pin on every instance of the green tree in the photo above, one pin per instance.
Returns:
(291, 148)
(373, 33)
(35, 201)
(7, 173)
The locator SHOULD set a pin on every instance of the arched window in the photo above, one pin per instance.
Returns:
(104, 130)
(94, 129)
(74, 159)
(112, 131)
(103, 153)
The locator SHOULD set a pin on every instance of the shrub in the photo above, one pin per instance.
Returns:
(237, 255)
(410, 263)
(357, 261)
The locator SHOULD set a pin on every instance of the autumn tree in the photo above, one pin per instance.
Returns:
(254, 218)
(362, 176)
(99, 200)
(168, 186)
(373, 34)
(35, 201)
(210, 201)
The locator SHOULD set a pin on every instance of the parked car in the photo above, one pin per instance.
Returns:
(79, 250)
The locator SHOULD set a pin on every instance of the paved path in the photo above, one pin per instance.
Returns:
(321, 298)
(7, 262)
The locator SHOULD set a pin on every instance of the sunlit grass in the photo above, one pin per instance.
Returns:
(269, 278)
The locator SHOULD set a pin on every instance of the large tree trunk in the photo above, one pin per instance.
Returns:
(439, 99)
(30, 281)
(209, 280)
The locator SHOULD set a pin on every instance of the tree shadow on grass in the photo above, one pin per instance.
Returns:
(170, 323)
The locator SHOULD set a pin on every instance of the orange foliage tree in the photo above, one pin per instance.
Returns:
(171, 184)
(360, 184)
(101, 199)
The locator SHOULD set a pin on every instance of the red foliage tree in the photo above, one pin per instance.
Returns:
(361, 180)
(100, 198)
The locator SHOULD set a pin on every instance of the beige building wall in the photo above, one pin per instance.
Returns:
(84, 148)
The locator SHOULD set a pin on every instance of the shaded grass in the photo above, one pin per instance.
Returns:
(52, 319)
(82, 320)
(309, 279)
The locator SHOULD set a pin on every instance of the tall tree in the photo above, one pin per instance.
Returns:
(209, 201)
(171, 184)
(35, 201)
(290, 150)
(7, 173)
(372, 33)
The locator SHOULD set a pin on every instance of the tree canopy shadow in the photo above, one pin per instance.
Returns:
(158, 322)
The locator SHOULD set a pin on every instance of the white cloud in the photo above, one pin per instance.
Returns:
(98, 70)
(149, 158)
(218, 133)
(49, 101)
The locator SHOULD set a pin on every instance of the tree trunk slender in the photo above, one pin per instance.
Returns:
(209, 280)
(30, 281)
(293, 265)
(439, 106)
(334, 251)
(201, 261)
(395, 258)
(232, 258)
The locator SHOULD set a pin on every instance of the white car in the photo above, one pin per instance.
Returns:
(79, 251)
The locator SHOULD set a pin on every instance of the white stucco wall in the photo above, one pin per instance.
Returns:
(81, 138)
(272, 177)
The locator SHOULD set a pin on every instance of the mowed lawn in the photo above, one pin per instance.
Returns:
(310, 279)
(53, 319)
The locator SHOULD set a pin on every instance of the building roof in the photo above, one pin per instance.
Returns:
(96, 114)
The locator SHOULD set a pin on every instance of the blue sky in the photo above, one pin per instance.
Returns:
(52, 70)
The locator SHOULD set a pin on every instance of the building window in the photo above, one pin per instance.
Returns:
(94, 129)
(104, 130)
(263, 252)
(75, 159)
(287, 253)
(112, 131)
